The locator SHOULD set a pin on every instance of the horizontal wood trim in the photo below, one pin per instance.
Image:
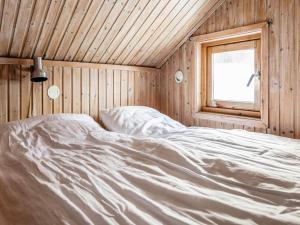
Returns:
(224, 118)
(230, 33)
(235, 112)
(233, 46)
(28, 62)
(249, 37)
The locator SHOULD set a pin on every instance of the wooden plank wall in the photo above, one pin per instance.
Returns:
(284, 64)
(83, 89)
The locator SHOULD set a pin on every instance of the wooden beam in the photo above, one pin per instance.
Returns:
(230, 33)
(23, 62)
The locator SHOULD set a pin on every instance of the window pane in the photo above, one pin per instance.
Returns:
(231, 72)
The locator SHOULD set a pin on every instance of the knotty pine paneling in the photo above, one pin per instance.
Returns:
(83, 89)
(284, 65)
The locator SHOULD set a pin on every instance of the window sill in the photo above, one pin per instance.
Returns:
(240, 120)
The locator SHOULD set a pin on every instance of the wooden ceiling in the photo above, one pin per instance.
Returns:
(129, 32)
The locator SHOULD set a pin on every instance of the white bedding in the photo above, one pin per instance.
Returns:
(71, 171)
(140, 121)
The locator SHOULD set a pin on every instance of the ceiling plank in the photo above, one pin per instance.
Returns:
(151, 30)
(108, 50)
(93, 31)
(210, 8)
(143, 29)
(48, 27)
(10, 12)
(22, 24)
(168, 29)
(106, 27)
(134, 29)
(155, 35)
(60, 29)
(126, 12)
(181, 26)
(79, 14)
(84, 29)
(36, 24)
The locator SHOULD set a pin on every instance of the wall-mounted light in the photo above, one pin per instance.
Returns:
(179, 76)
(38, 74)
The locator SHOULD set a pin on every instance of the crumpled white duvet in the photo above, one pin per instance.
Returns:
(68, 170)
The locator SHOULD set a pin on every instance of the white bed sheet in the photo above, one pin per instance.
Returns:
(71, 171)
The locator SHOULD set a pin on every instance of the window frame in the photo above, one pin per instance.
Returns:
(235, 105)
(238, 113)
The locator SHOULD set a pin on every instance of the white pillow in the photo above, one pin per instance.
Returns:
(139, 121)
(26, 124)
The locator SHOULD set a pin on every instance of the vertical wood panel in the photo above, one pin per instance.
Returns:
(124, 88)
(47, 102)
(14, 92)
(76, 79)
(57, 80)
(249, 12)
(131, 88)
(297, 69)
(137, 88)
(143, 89)
(274, 66)
(163, 92)
(4, 93)
(109, 88)
(85, 90)
(94, 89)
(37, 100)
(102, 89)
(286, 69)
(176, 87)
(67, 90)
(25, 91)
(146, 89)
(117, 88)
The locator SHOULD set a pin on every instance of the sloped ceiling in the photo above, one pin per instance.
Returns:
(129, 32)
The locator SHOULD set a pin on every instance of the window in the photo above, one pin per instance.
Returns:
(233, 80)
(232, 73)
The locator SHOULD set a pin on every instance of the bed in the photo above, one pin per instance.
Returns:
(67, 169)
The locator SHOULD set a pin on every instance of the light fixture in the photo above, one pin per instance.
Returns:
(179, 76)
(38, 74)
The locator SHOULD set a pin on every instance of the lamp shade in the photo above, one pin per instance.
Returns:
(38, 74)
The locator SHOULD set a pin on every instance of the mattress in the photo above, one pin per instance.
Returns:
(68, 170)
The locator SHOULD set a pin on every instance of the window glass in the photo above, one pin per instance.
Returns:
(230, 74)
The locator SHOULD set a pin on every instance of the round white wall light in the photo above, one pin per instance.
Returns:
(179, 76)
(53, 92)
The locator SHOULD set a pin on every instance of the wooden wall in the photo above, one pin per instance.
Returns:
(284, 64)
(85, 88)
